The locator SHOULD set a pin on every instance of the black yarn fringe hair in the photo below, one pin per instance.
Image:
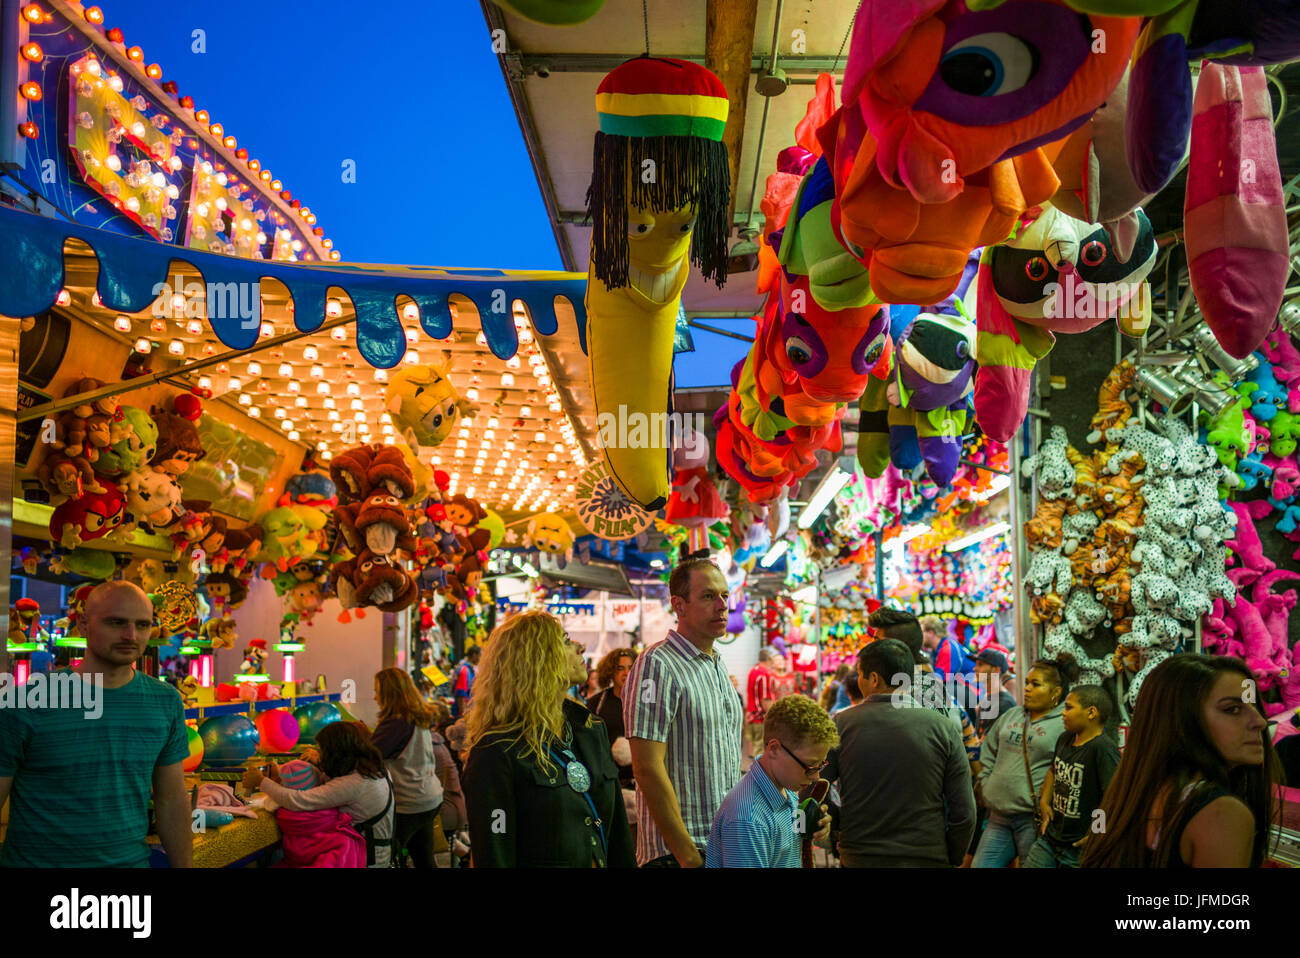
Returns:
(703, 178)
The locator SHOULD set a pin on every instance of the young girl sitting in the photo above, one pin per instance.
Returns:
(354, 781)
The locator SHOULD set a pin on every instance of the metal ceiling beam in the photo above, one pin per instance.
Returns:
(729, 52)
(800, 69)
(514, 80)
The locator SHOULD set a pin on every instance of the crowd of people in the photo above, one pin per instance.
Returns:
(916, 756)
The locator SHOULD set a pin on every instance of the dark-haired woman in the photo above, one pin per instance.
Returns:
(1014, 764)
(355, 782)
(1195, 785)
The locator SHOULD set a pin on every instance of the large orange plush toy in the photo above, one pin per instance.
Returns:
(951, 119)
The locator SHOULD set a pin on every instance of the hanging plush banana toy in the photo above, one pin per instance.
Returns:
(660, 189)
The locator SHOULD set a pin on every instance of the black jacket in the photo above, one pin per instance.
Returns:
(523, 816)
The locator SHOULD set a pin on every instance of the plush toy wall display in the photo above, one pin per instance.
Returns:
(221, 632)
(133, 450)
(373, 580)
(424, 404)
(67, 477)
(84, 430)
(550, 533)
(667, 116)
(695, 501)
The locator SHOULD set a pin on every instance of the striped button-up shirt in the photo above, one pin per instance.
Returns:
(684, 698)
(754, 828)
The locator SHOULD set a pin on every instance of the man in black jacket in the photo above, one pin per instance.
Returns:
(905, 788)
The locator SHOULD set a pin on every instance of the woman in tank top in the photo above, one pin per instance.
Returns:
(1194, 788)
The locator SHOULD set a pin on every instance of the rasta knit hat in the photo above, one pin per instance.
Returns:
(672, 114)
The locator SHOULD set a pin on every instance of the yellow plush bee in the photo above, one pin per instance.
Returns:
(424, 404)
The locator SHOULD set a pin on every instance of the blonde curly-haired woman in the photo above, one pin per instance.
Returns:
(540, 784)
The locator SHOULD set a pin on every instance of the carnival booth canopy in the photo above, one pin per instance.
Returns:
(333, 333)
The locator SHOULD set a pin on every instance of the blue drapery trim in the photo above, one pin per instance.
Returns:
(130, 269)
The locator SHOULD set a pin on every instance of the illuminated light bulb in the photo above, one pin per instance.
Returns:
(31, 90)
(266, 330)
(143, 346)
(334, 254)
(388, 430)
(478, 470)
(472, 394)
(254, 368)
(32, 13)
(357, 404)
(285, 424)
(333, 308)
(205, 382)
(317, 371)
(336, 427)
(254, 412)
(551, 457)
(33, 52)
(461, 443)
(362, 429)
(327, 243)
(133, 204)
(64, 298)
(354, 389)
(507, 380)
(221, 203)
(536, 360)
(480, 339)
(294, 386)
(285, 371)
(554, 406)
(410, 312)
(411, 358)
(329, 400)
(412, 336)
(300, 402)
(309, 353)
(332, 416)
(510, 446)
(525, 336)
(122, 324)
(136, 54)
(488, 436)
(137, 129)
(513, 362)
(293, 435)
(194, 327)
(265, 175)
(381, 375)
(384, 417)
(327, 455)
(464, 432)
(338, 334)
(261, 238)
(297, 248)
(176, 347)
(245, 399)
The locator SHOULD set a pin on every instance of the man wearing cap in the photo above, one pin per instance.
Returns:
(994, 699)
(80, 767)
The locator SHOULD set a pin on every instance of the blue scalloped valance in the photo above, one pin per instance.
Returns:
(130, 269)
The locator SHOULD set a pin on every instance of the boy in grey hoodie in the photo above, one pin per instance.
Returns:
(1010, 792)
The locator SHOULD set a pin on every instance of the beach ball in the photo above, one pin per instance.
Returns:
(278, 729)
(195, 742)
(313, 717)
(228, 740)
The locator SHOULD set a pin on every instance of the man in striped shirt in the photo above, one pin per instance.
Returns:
(755, 827)
(683, 720)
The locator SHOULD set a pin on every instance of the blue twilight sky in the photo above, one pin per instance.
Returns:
(410, 91)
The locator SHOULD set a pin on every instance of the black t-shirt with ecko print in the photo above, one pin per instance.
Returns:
(1080, 774)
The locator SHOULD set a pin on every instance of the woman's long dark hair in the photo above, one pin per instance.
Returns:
(345, 748)
(1168, 748)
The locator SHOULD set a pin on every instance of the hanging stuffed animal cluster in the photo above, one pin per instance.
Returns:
(372, 482)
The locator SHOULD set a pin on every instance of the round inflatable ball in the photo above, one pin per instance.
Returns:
(195, 742)
(228, 740)
(278, 729)
(313, 717)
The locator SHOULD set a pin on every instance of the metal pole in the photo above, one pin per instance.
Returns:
(817, 629)
(880, 564)
(9, 335)
(1018, 603)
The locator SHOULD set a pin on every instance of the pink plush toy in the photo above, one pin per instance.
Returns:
(1245, 544)
(1286, 476)
(1280, 350)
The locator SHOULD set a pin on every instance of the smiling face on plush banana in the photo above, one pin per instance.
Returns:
(658, 247)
